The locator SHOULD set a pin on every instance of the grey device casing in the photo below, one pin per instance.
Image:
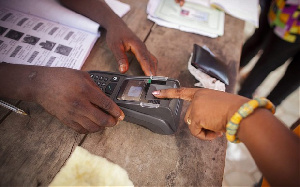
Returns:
(161, 116)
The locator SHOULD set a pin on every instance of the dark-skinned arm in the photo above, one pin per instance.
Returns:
(275, 149)
(68, 94)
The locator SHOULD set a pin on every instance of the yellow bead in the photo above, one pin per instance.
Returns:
(230, 138)
(253, 103)
(236, 118)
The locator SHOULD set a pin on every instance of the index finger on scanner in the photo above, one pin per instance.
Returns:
(180, 93)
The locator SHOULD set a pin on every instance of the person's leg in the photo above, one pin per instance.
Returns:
(255, 42)
(288, 83)
(275, 54)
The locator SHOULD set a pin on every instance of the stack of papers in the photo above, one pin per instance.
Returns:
(191, 17)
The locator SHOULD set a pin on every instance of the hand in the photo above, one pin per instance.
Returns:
(75, 99)
(120, 40)
(119, 37)
(181, 2)
(209, 110)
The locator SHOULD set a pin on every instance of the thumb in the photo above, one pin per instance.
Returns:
(181, 93)
(121, 58)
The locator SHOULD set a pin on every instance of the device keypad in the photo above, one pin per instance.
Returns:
(106, 83)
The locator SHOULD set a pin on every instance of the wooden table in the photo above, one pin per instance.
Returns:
(34, 148)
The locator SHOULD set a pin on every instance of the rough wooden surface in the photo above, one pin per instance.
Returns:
(33, 148)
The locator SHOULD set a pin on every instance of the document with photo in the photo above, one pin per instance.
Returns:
(191, 17)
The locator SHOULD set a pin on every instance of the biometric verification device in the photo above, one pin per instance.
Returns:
(133, 94)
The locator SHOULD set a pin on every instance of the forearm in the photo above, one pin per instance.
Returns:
(96, 10)
(274, 147)
(19, 81)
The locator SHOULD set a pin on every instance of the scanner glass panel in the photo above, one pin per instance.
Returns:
(132, 90)
(140, 90)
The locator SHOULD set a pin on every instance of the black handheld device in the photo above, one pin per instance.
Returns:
(133, 94)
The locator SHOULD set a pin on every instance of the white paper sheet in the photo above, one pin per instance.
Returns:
(118, 7)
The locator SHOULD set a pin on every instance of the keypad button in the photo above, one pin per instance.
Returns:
(110, 88)
(114, 79)
(97, 77)
(105, 79)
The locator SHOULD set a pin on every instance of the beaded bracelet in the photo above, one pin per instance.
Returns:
(244, 111)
